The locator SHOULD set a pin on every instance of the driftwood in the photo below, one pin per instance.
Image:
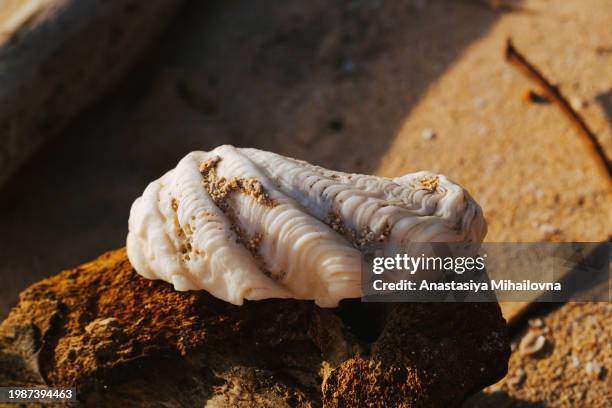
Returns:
(552, 92)
(126, 341)
(58, 56)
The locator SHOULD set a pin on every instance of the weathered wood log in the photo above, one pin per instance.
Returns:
(123, 339)
(58, 56)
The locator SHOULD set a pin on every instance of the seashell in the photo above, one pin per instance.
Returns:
(535, 323)
(593, 370)
(532, 343)
(243, 223)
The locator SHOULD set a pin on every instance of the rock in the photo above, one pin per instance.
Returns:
(517, 378)
(57, 57)
(123, 339)
(428, 134)
(577, 103)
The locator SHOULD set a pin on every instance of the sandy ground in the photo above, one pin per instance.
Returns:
(570, 369)
(360, 87)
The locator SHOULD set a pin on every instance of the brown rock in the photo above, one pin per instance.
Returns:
(121, 338)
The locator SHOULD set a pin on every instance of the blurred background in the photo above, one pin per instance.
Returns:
(382, 87)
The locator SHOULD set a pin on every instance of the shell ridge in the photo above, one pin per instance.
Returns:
(243, 223)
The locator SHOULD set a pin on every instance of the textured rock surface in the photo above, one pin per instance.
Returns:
(121, 338)
(59, 56)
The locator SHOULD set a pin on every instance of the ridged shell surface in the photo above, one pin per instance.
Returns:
(249, 224)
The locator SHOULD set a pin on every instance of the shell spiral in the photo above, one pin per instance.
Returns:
(243, 223)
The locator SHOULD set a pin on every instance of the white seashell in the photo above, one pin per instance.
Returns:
(531, 344)
(535, 323)
(249, 224)
(593, 369)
